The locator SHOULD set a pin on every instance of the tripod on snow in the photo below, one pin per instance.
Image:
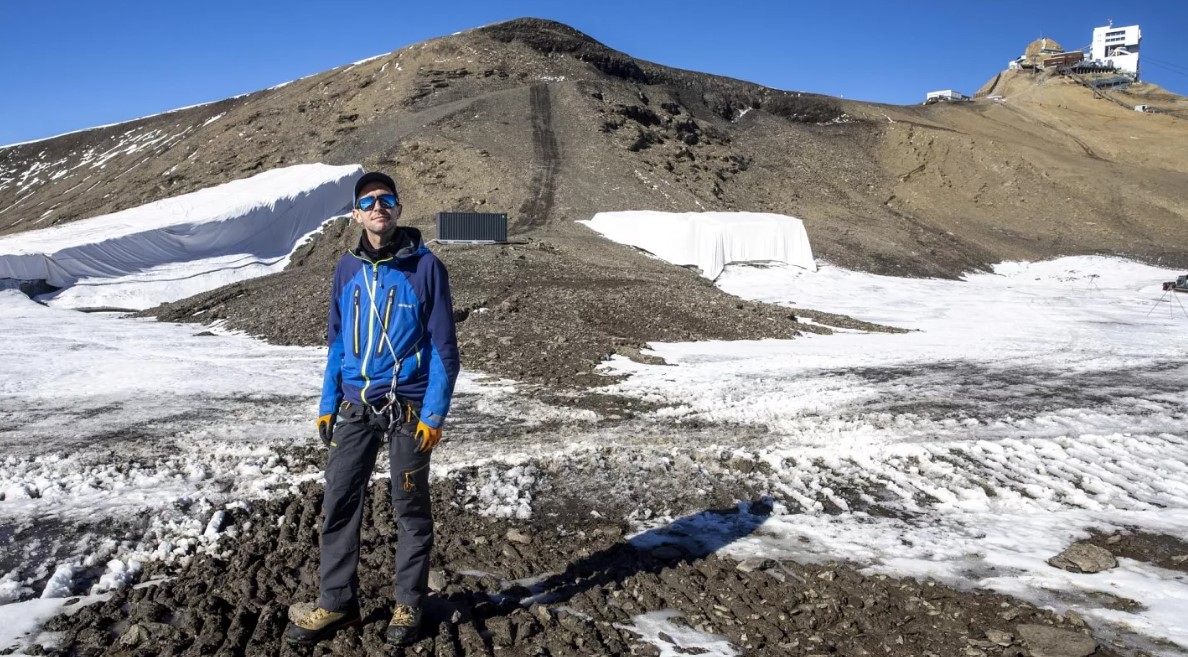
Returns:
(1169, 288)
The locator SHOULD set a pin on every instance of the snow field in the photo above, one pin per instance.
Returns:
(1026, 407)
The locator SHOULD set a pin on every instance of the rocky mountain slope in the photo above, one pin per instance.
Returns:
(541, 121)
(536, 119)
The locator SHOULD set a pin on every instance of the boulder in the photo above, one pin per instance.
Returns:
(1084, 558)
(1045, 641)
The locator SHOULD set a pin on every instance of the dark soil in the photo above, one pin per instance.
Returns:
(1161, 550)
(589, 584)
(546, 311)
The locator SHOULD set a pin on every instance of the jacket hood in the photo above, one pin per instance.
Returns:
(405, 243)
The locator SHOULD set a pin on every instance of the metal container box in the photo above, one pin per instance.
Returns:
(471, 227)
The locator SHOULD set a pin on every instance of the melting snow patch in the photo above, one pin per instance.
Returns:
(61, 582)
(1025, 407)
(502, 493)
(673, 640)
(119, 574)
(215, 525)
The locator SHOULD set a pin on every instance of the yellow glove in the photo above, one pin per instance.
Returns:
(427, 436)
(326, 429)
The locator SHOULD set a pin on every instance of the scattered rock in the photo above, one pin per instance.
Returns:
(999, 638)
(751, 565)
(1082, 557)
(613, 531)
(1010, 614)
(134, 635)
(595, 589)
(761, 507)
(1044, 641)
(437, 580)
(542, 613)
(517, 536)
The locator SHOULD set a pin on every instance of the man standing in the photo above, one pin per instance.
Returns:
(390, 374)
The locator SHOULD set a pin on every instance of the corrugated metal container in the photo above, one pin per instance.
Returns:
(472, 227)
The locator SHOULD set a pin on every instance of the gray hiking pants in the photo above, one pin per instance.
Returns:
(357, 439)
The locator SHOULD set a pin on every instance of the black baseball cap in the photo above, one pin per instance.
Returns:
(376, 177)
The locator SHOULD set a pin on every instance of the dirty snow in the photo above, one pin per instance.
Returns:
(1026, 407)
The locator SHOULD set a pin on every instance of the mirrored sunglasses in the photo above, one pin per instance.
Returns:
(368, 202)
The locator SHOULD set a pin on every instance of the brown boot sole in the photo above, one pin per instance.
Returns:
(358, 622)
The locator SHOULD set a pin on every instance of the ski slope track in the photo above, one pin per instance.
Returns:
(177, 247)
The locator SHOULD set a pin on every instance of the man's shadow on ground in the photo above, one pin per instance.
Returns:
(686, 539)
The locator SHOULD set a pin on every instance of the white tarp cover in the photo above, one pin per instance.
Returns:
(710, 240)
(177, 247)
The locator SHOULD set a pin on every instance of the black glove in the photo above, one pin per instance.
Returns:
(326, 428)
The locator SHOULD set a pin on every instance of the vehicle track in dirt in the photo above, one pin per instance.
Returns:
(535, 211)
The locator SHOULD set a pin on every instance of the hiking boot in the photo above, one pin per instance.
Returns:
(319, 624)
(405, 622)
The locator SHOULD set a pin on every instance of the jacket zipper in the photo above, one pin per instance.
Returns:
(379, 348)
(370, 333)
(357, 320)
(370, 325)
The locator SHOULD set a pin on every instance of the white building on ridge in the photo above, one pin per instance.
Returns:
(1117, 45)
(944, 95)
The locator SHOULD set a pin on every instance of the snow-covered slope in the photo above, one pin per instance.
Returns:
(1025, 407)
(177, 247)
(710, 240)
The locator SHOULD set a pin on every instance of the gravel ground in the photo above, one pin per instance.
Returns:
(568, 585)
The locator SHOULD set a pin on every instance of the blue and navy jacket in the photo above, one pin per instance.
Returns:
(391, 314)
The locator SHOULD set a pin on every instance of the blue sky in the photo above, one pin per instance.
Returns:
(71, 65)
